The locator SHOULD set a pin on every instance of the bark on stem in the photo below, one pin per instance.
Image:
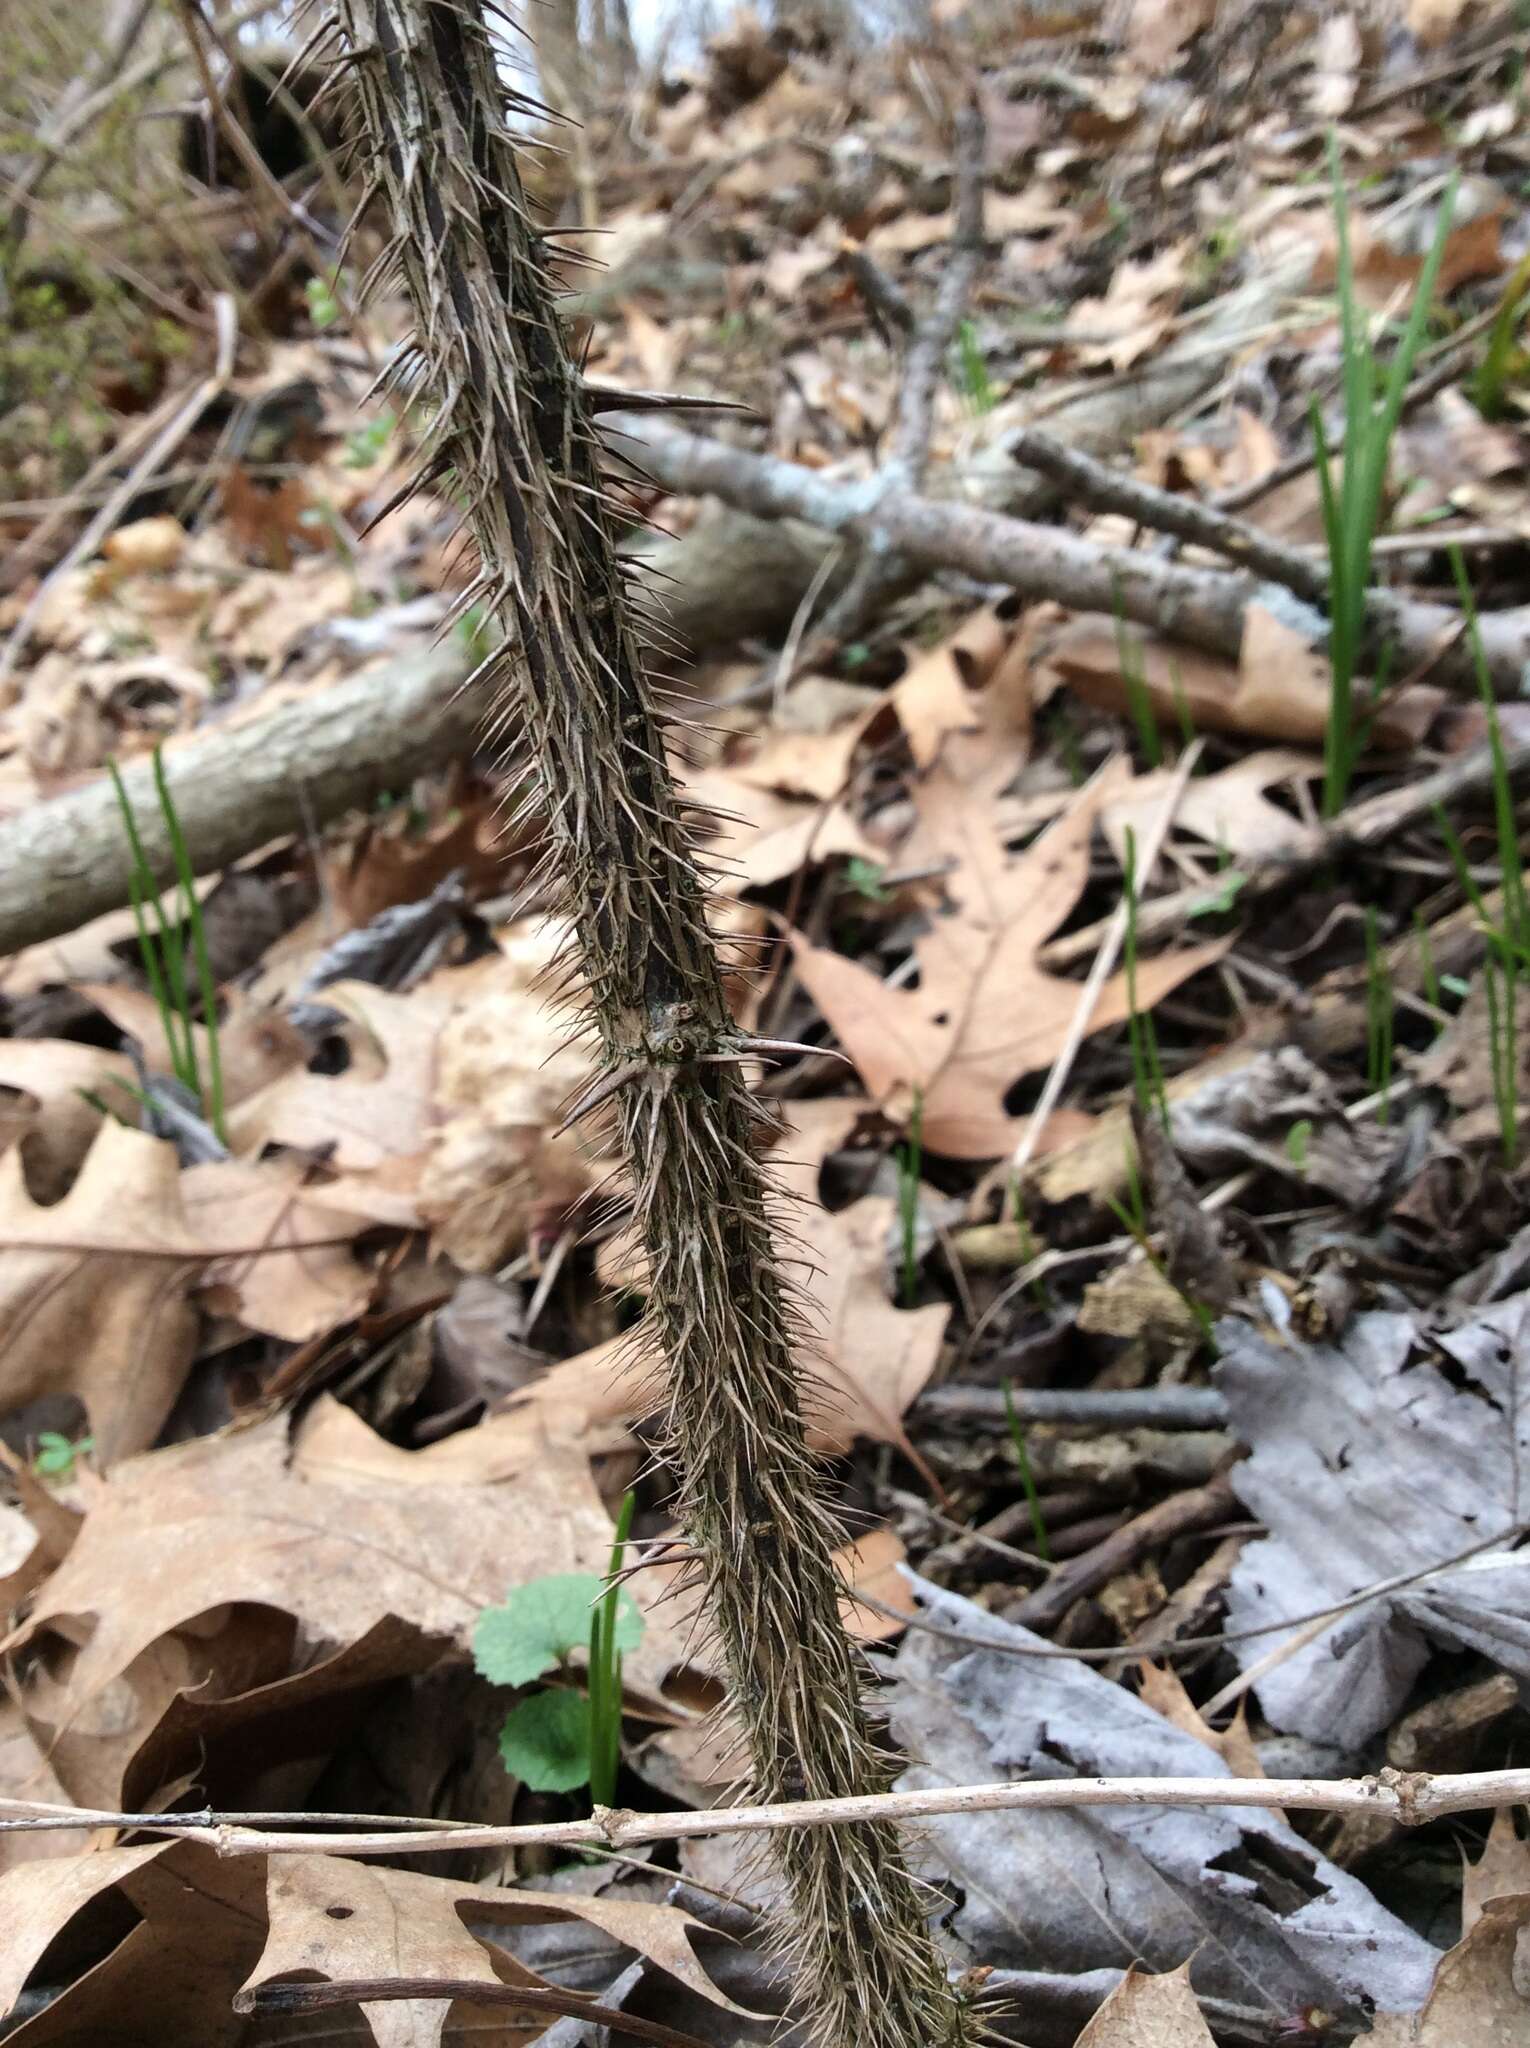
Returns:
(514, 424)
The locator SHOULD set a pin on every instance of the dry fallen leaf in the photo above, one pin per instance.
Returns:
(297, 1550)
(1501, 1870)
(984, 1014)
(39, 1899)
(1229, 810)
(865, 1360)
(967, 703)
(1149, 2012)
(761, 837)
(496, 1169)
(378, 1109)
(196, 1929)
(1481, 1992)
(54, 1122)
(146, 545)
(349, 1922)
(94, 1289)
(300, 1278)
(1279, 689)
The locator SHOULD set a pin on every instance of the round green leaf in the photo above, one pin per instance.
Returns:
(541, 1624)
(545, 1741)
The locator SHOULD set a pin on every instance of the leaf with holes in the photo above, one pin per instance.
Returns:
(1268, 1925)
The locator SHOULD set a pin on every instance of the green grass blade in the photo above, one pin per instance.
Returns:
(1510, 860)
(212, 1101)
(1027, 1477)
(160, 957)
(910, 1164)
(605, 1673)
(1418, 315)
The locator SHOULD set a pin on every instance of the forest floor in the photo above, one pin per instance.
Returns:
(1112, 799)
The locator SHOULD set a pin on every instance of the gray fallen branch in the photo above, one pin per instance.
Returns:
(1202, 607)
(1087, 1407)
(1411, 1798)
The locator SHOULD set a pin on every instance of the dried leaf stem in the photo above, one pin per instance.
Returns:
(514, 426)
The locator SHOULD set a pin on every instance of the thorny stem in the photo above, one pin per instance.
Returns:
(514, 423)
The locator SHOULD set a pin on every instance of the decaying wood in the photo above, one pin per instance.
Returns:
(516, 426)
(65, 862)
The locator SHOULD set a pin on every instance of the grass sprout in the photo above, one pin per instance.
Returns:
(164, 953)
(1352, 502)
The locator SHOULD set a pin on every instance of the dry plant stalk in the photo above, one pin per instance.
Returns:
(515, 426)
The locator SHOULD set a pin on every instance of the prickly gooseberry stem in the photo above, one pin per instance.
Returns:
(513, 424)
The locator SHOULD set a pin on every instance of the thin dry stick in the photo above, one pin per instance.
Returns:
(1410, 1797)
(1104, 964)
(881, 570)
(515, 425)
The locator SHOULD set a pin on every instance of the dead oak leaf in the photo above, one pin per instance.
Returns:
(865, 1361)
(349, 1922)
(94, 1288)
(299, 1278)
(295, 1549)
(1228, 810)
(379, 1109)
(173, 1975)
(52, 1117)
(984, 1014)
(1149, 2012)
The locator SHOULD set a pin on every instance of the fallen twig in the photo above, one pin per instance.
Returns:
(880, 570)
(64, 862)
(1201, 607)
(1412, 1798)
(1086, 1407)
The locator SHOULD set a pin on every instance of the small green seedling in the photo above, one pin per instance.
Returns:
(910, 1161)
(865, 878)
(163, 950)
(1027, 1477)
(56, 1455)
(972, 377)
(368, 444)
(1352, 504)
(323, 306)
(1299, 1143)
(557, 1739)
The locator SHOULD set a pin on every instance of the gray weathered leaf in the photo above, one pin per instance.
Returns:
(1392, 1453)
(1270, 1926)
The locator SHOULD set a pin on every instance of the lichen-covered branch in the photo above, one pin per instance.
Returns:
(514, 424)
